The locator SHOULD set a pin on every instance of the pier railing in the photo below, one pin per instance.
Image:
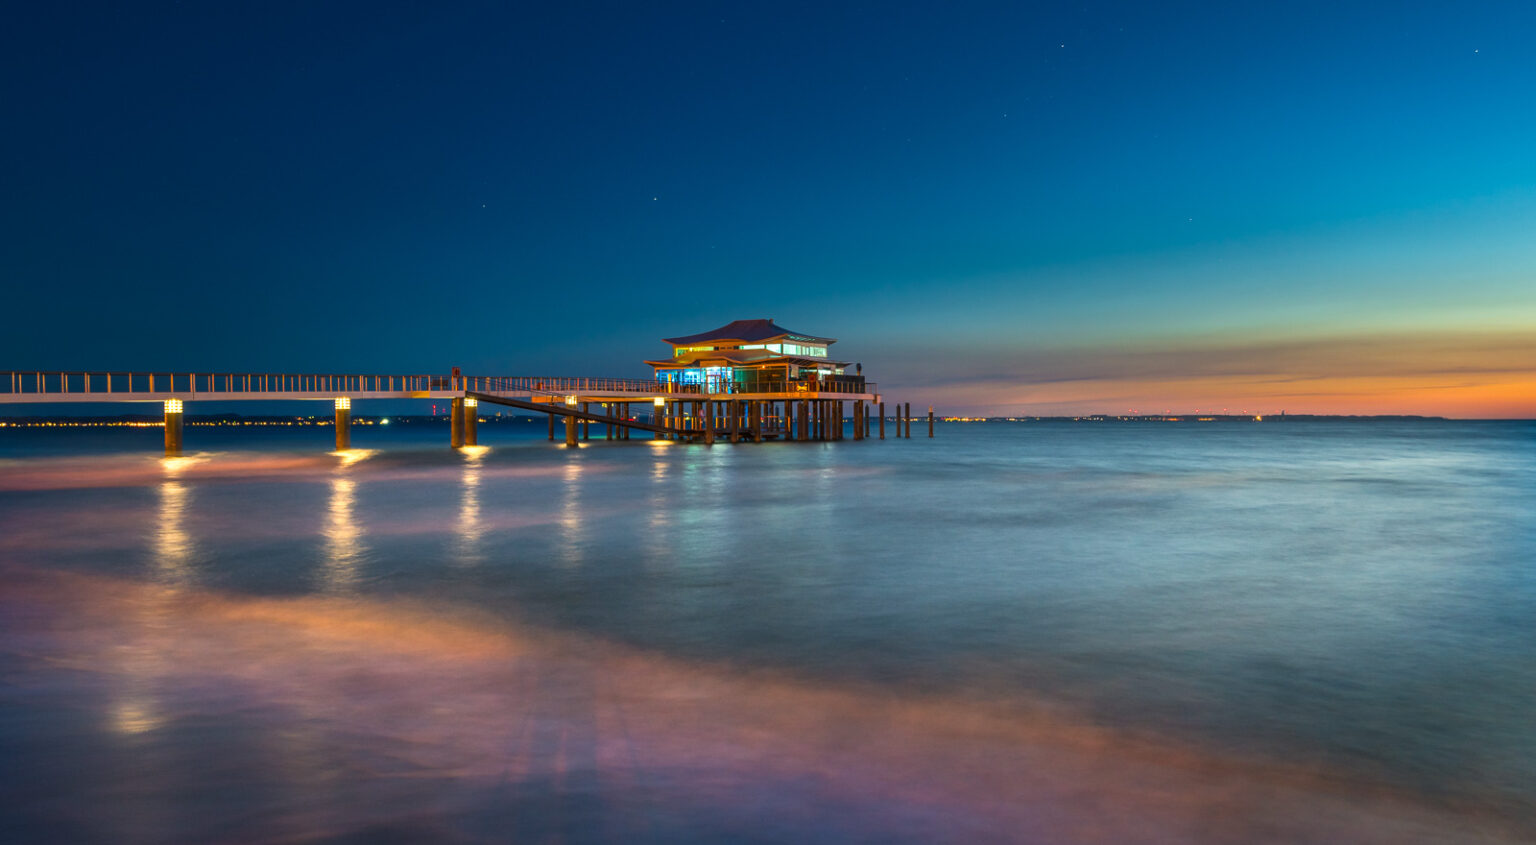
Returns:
(126, 384)
(19, 385)
(561, 385)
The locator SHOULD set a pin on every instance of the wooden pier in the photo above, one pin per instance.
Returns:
(749, 411)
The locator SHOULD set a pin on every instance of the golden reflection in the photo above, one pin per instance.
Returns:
(467, 547)
(343, 538)
(174, 466)
(351, 456)
(131, 716)
(173, 545)
(570, 515)
(136, 706)
(656, 540)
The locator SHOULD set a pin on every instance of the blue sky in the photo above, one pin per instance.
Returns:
(971, 196)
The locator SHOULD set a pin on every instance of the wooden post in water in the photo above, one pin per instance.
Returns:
(624, 433)
(173, 419)
(456, 423)
(570, 432)
(882, 420)
(343, 423)
(733, 417)
(858, 419)
(804, 421)
(906, 415)
(709, 422)
(930, 420)
(551, 427)
(586, 424)
(471, 421)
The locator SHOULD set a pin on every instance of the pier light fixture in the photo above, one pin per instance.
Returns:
(343, 403)
(471, 402)
(570, 400)
(173, 406)
(660, 401)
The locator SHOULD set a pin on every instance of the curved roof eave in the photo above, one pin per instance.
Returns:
(747, 331)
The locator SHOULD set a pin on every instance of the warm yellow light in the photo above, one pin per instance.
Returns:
(471, 402)
(352, 456)
(343, 403)
(570, 400)
(660, 401)
(173, 406)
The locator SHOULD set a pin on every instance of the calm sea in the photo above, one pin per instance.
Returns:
(1031, 632)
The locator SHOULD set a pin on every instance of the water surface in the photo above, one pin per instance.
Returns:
(1013, 632)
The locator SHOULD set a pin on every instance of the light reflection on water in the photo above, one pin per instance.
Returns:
(1071, 635)
(467, 551)
(571, 517)
(344, 546)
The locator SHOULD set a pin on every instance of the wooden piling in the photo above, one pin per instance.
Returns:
(906, 414)
(586, 424)
(343, 426)
(471, 422)
(551, 428)
(930, 420)
(173, 421)
(882, 420)
(456, 423)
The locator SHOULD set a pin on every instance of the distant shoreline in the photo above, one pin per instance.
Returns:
(1203, 418)
(287, 420)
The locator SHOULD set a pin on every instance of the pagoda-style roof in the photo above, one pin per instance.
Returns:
(747, 331)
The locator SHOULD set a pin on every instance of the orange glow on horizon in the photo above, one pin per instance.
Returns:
(1359, 396)
(1457, 375)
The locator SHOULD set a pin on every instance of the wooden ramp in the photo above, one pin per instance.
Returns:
(561, 410)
